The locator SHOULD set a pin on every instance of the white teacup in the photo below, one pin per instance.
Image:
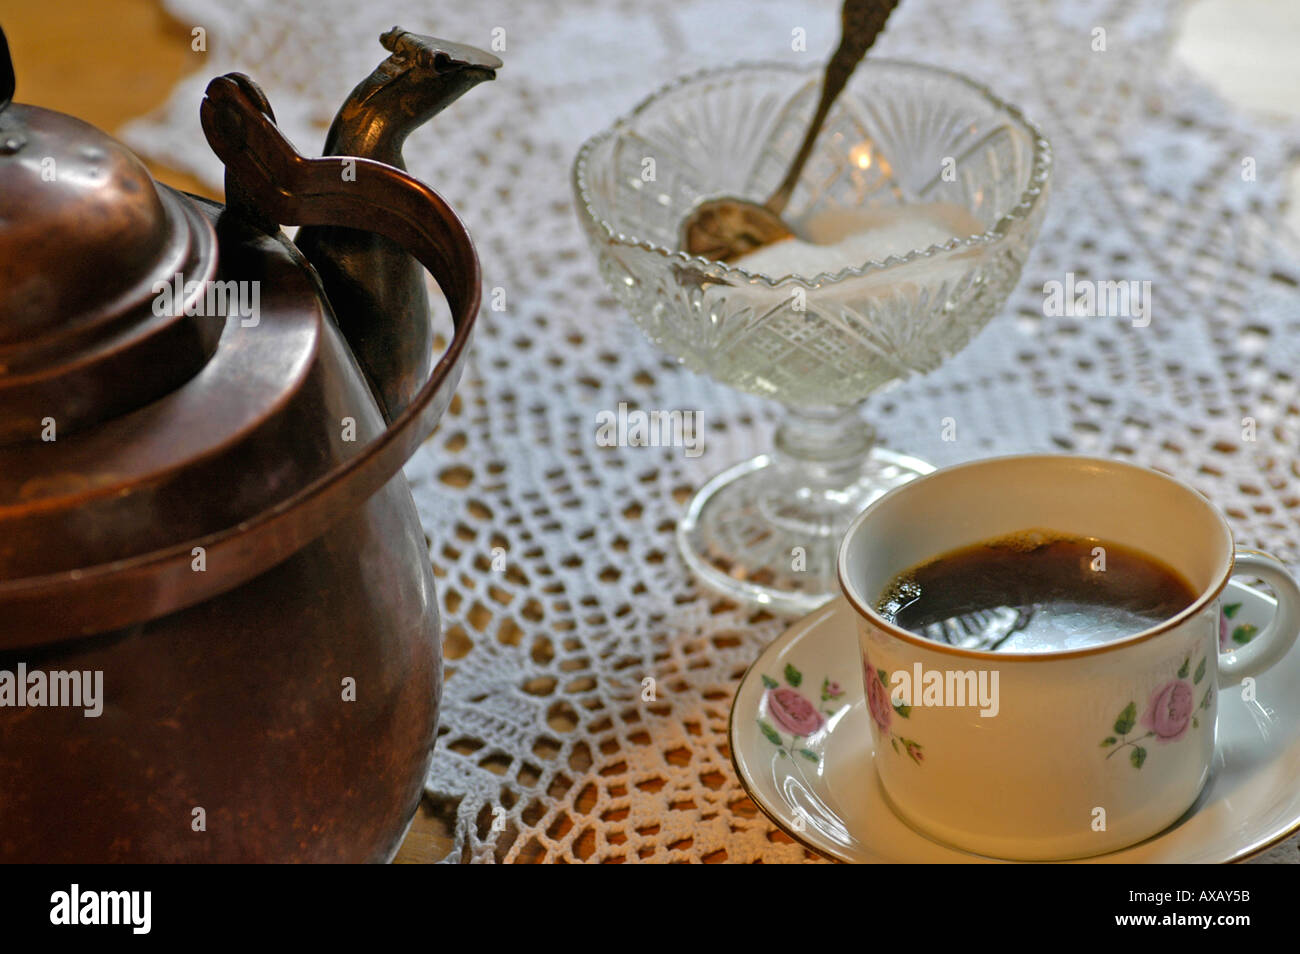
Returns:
(1088, 750)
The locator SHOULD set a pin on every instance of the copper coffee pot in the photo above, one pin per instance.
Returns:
(202, 429)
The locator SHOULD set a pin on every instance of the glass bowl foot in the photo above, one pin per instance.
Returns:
(758, 534)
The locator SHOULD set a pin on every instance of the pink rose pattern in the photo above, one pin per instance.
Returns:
(882, 713)
(1169, 713)
(793, 713)
(830, 690)
(883, 709)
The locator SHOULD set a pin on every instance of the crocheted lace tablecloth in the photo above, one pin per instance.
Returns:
(558, 576)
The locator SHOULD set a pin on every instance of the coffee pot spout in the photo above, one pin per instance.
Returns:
(376, 289)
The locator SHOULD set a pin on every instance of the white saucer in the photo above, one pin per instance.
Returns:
(824, 792)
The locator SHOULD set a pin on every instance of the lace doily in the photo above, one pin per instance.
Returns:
(558, 576)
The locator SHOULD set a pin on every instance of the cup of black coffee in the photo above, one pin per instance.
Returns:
(1008, 609)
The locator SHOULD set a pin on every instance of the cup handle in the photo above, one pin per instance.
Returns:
(1272, 644)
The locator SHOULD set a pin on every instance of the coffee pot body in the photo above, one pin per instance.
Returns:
(219, 635)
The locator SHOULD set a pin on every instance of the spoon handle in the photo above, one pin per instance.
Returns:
(861, 23)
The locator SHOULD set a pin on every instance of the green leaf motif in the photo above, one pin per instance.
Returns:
(1200, 670)
(1109, 740)
(1127, 719)
(769, 682)
(904, 711)
(1196, 723)
(1244, 634)
(894, 742)
(1137, 756)
(1205, 699)
(810, 755)
(1230, 609)
(772, 735)
(1183, 670)
(793, 676)
(884, 679)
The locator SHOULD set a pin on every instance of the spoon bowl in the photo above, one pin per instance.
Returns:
(728, 228)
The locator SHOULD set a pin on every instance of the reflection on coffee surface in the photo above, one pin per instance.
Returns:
(1035, 591)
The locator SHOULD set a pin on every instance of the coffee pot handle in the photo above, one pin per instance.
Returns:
(1269, 646)
(271, 184)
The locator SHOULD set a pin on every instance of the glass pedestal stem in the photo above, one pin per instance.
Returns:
(767, 531)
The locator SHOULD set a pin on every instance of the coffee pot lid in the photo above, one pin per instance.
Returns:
(86, 240)
(155, 450)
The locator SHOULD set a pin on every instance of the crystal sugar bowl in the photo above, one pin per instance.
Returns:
(903, 140)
